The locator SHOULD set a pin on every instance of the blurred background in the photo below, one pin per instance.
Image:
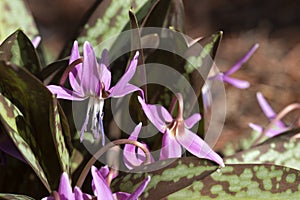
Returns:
(273, 69)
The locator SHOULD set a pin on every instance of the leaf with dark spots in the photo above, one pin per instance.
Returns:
(16, 15)
(167, 176)
(34, 101)
(280, 150)
(18, 49)
(245, 181)
(52, 73)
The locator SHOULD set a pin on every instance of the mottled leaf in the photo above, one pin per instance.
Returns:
(8, 116)
(58, 137)
(280, 150)
(18, 49)
(34, 101)
(107, 19)
(15, 15)
(4, 196)
(167, 176)
(249, 182)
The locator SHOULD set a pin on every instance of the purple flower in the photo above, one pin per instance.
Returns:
(131, 158)
(90, 80)
(269, 112)
(102, 190)
(65, 191)
(233, 81)
(176, 132)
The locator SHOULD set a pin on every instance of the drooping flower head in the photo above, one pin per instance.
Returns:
(177, 133)
(233, 81)
(270, 114)
(91, 80)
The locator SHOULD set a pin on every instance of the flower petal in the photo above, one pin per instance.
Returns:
(236, 82)
(194, 144)
(119, 87)
(121, 195)
(170, 147)
(118, 92)
(75, 74)
(63, 93)
(100, 187)
(140, 189)
(130, 158)
(157, 114)
(65, 189)
(192, 120)
(105, 74)
(90, 81)
(244, 59)
(79, 195)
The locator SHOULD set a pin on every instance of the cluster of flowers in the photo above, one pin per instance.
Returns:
(92, 80)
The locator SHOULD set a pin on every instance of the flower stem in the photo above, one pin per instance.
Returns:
(282, 114)
(101, 151)
(69, 69)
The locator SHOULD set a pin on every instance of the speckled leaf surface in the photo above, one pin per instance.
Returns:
(18, 49)
(280, 150)
(14, 197)
(245, 181)
(167, 176)
(34, 101)
(15, 15)
(8, 118)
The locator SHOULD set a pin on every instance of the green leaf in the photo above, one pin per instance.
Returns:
(4, 196)
(16, 15)
(280, 150)
(248, 182)
(168, 176)
(58, 136)
(8, 120)
(35, 101)
(18, 49)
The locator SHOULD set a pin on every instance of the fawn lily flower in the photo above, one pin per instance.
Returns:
(176, 132)
(269, 112)
(233, 81)
(131, 158)
(65, 191)
(90, 80)
(102, 190)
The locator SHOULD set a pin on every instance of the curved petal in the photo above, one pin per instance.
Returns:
(100, 187)
(135, 195)
(244, 59)
(90, 80)
(75, 74)
(105, 74)
(236, 82)
(127, 75)
(120, 92)
(130, 158)
(192, 120)
(63, 93)
(170, 147)
(157, 114)
(194, 144)
(65, 189)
